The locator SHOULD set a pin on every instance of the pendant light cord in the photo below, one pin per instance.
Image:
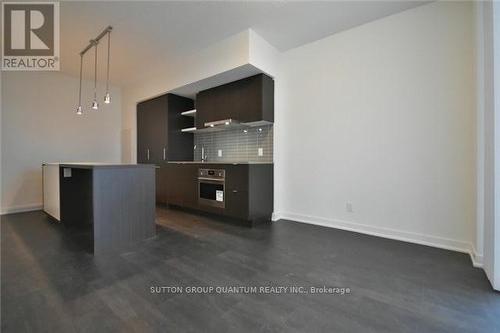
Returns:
(107, 74)
(95, 72)
(80, 91)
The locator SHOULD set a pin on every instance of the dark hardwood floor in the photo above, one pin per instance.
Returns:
(51, 283)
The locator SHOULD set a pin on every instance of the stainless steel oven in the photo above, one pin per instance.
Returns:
(211, 183)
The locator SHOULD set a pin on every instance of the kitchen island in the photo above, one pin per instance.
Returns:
(117, 201)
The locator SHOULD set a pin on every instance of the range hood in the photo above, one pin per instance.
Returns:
(224, 124)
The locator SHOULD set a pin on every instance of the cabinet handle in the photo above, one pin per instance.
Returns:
(164, 153)
(235, 191)
(148, 153)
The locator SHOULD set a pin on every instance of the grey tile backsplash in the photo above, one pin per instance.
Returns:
(236, 145)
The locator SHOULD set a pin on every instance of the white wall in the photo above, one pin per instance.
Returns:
(383, 116)
(485, 133)
(39, 125)
(480, 126)
(496, 84)
(488, 61)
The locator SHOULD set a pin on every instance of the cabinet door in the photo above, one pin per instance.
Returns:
(152, 122)
(162, 184)
(237, 200)
(246, 100)
(173, 185)
(237, 177)
(236, 204)
(143, 138)
(157, 126)
(182, 185)
(249, 99)
(256, 99)
(206, 106)
(190, 186)
(202, 109)
(216, 104)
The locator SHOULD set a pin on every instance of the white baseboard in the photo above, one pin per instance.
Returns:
(275, 216)
(477, 259)
(400, 235)
(21, 208)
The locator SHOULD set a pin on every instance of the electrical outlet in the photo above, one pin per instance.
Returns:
(260, 152)
(348, 206)
(219, 152)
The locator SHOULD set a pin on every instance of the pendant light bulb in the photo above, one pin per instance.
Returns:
(107, 98)
(79, 110)
(95, 105)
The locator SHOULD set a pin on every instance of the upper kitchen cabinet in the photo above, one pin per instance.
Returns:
(159, 124)
(152, 121)
(249, 100)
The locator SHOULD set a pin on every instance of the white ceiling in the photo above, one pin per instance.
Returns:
(150, 34)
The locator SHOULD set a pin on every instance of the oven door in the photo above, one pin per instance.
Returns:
(211, 192)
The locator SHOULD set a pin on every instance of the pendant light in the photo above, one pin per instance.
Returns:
(107, 98)
(79, 108)
(93, 44)
(95, 105)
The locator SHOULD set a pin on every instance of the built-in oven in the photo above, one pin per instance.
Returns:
(211, 184)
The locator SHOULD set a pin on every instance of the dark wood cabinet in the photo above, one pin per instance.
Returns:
(152, 122)
(247, 100)
(159, 136)
(237, 176)
(181, 185)
(237, 204)
(236, 188)
(159, 124)
(162, 184)
(248, 189)
(208, 107)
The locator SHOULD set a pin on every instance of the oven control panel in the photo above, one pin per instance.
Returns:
(212, 173)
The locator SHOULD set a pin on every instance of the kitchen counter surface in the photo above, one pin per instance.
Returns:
(216, 162)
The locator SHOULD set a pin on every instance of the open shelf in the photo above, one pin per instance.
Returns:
(188, 130)
(189, 113)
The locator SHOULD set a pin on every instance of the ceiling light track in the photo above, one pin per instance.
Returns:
(93, 44)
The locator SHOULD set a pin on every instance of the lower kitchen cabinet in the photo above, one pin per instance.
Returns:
(236, 204)
(180, 185)
(248, 189)
(161, 184)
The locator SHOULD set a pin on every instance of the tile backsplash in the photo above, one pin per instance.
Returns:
(236, 145)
